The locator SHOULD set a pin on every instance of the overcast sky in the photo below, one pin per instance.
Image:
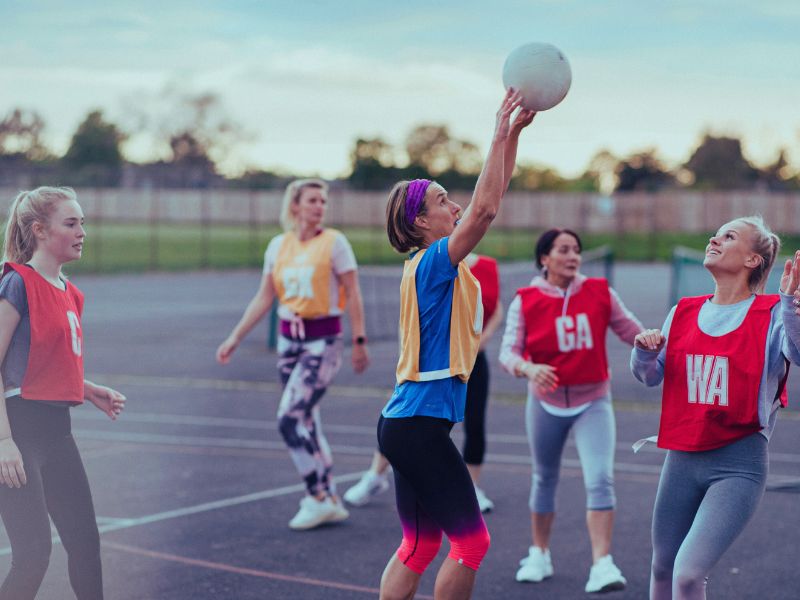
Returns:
(306, 78)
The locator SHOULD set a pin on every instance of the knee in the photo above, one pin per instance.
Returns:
(661, 571)
(543, 493)
(689, 585)
(418, 552)
(33, 558)
(688, 582)
(469, 550)
(600, 495)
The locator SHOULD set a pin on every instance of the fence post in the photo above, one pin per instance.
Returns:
(98, 236)
(272, 323)
(155, 197)
(205, 230)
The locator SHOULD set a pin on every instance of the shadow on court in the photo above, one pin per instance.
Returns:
(194, 489)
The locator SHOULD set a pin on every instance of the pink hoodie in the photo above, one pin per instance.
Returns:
(622, 322)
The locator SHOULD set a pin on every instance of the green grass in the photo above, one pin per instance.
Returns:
(168, 247)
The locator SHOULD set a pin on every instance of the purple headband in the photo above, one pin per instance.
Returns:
(414, 197)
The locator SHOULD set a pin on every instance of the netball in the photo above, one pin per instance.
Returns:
(540, 72)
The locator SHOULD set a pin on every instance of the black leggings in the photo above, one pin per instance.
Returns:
(57, 485)
(475, 412)
(434, 492)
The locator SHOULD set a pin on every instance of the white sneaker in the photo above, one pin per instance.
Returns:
(536, 566)
(605, 576)
(483, 502)
(315, 512)
(370, 484)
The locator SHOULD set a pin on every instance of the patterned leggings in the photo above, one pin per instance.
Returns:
(306, 368)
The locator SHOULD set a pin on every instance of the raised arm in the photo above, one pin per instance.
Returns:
(790, 307)
(490, 187)
(523, 119)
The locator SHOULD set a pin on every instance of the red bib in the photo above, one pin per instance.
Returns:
(711, 383)
(55, 360)
(574, 342)
(485, 271)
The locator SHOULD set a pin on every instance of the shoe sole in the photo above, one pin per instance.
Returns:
(334, 518)
(533, 580)
(616, 586)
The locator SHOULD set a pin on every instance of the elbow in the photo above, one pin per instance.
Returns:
(485, 214)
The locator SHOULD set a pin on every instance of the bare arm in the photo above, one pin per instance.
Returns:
(523, 119)
(12, 471)
(355, 306)
(255, 311)
(488, 191)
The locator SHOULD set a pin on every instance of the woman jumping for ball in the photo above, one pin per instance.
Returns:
(440, 327)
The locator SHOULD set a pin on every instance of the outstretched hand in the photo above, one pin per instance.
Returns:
(523, 118)
(790, 280)
(510, 103)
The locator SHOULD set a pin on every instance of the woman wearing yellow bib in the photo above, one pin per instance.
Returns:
(312, 271)
(441, 318)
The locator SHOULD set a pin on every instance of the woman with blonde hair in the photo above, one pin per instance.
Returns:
(41, 349)
(723, 358)
(440, 332)
(312, 272)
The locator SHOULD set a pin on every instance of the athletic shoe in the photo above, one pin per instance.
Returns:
(371, 484)
(536, 566)
(340, 513)
(605, 576)
(483, 502)
(315, 512)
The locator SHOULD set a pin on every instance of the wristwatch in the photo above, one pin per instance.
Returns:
(360, 340)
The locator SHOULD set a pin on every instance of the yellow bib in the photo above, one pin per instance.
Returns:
(466, 324)
(302, 274)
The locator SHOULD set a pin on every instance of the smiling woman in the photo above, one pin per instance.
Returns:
(723, 359)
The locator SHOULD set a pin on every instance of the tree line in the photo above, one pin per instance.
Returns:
(195, 136)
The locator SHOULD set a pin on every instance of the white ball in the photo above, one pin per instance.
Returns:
(540, 72)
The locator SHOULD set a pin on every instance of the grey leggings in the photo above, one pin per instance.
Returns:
(595, 437)
(704, 501)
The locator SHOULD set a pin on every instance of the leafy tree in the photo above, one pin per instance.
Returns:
(372, 162)
(533, 177)
(777, 176)
(96, 142)
(94, 156)
(432, 148)
(20, 134)
(718, 163)
(643, 171)
(600, 174)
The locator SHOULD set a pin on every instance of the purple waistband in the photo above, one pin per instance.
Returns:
(314, 328)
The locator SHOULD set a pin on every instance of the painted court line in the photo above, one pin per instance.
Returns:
(122, 523)
(207, 564)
